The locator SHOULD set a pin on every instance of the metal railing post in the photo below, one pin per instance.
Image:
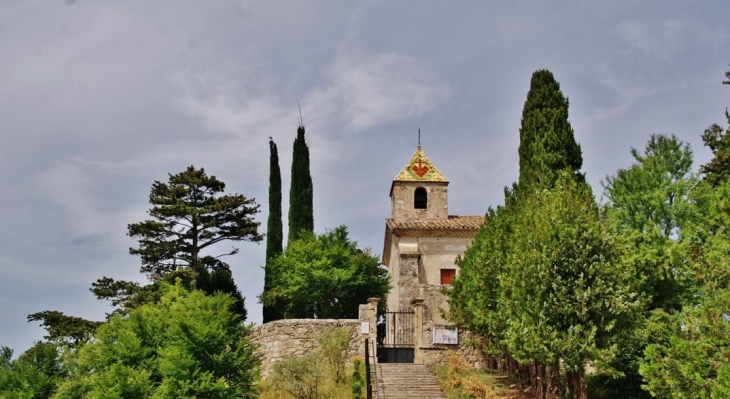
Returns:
(375, 367)
(369, 388)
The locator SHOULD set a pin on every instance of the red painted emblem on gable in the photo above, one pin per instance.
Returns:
(420, 169)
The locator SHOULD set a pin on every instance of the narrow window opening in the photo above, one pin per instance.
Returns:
(447, 276)
(420, 198)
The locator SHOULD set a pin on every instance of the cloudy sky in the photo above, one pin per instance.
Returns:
(100, 98)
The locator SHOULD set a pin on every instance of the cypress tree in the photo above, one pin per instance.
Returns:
(274, 234)
(301, 212)
(547, 144)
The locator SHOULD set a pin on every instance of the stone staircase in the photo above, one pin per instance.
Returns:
(405, 381)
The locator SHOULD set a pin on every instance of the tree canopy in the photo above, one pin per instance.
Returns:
(547, 145)
(301, 193)
(189, 344)
(325, 276)
(688, 355)
(274, 233)
(718, 169)
(189, 215)
(33, 375)
(543, 272)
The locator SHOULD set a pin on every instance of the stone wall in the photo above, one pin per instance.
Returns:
(432, 303)
(402, 196)
(468, 350)
(282, 339)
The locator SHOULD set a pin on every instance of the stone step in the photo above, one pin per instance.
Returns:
(406, 381)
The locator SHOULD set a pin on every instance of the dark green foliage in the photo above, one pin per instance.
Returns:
(187, 345)
(127, 295)
(565, 283)
(693, 361)
(543, 280)
(357, 380)
(326, 277)
(542, 275)
(6, 354)
(69, 329)
(188, 216)
(274, 234)
(301, 210)
(215, 277)
(547, 145)
(647, 204)
(718, 169)
(688, 357)
(473, 298)
(33, 375)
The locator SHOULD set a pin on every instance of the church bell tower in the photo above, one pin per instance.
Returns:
(419, 192)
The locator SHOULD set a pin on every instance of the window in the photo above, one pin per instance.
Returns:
(420, 198)
(447, 275)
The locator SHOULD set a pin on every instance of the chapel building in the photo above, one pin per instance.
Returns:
(421, 244)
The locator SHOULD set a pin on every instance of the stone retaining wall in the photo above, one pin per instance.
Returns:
(468, 350)
(433, 305)
(282, 339)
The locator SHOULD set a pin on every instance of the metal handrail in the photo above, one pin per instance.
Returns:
(375, 367)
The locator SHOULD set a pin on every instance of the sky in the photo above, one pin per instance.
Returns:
(98, 99)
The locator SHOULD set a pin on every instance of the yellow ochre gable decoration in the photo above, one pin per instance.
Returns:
(420, 168)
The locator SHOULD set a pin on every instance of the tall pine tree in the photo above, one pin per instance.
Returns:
(274, 234)
(547, 144)
(301, 211)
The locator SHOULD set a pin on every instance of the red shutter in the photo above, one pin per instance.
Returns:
(447, 275)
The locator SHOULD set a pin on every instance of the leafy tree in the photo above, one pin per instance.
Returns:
(473, 299)
(691, 359)
(274, 234)
(33, 375)
(6, 355)
(543, 280)
(214, 277)
(188, 216)
(547, 144)
(325, 277)
(67, 329)
(187, 345)
(301, 211)
(647, 204)
(718, 170)
(564, 284)
(688, 359)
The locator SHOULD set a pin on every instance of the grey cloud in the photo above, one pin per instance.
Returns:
(98, 99)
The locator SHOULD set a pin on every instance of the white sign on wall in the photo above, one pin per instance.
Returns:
(364, 327)
(444, 335)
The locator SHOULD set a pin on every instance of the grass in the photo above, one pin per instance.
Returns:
(461, 381)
